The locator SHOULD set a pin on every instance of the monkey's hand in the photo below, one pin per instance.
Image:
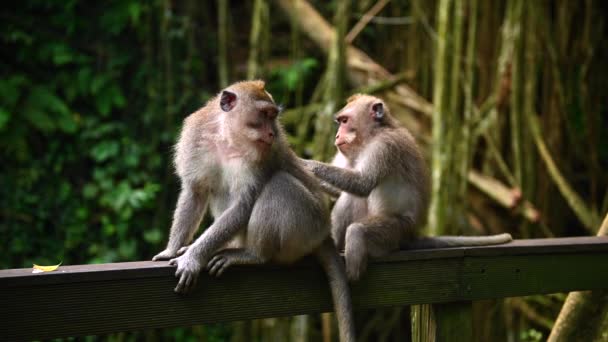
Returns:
(167, 254)
(308, 164)
(188, 270)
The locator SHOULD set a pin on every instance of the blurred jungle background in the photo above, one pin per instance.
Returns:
(507, 98)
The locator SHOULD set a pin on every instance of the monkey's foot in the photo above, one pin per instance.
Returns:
(232, 256)
(188, 270)
(356, 264)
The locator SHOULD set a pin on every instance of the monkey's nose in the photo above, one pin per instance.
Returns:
(268, 139)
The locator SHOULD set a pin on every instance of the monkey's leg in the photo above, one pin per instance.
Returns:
(232, 256)
(341, 218)
(373, 236)
(237, 242)
(348, 209)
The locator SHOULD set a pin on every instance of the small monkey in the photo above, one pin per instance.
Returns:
(384, 187)
(232, 156)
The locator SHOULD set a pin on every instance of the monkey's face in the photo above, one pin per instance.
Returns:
(259, 125)
(356, 123)
(250, 118)
(347, 135)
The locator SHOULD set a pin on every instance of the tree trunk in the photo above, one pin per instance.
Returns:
(257, 39)
(446, 210)
(222, 42)
(584, 316)
(334, 90)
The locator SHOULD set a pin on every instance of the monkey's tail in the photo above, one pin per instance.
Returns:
(340, 292)
(457, 241)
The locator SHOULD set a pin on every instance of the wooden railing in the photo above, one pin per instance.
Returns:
(100, 299)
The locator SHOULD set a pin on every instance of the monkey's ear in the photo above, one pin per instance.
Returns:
(378, 111)
(227, 100)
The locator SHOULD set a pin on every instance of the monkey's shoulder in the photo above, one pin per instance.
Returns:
(396, 147)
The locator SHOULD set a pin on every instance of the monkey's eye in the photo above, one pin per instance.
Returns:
(269, 114)
(342, 120)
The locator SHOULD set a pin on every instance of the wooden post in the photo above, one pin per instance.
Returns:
(445, 322)
(453, 321)
(422, 323)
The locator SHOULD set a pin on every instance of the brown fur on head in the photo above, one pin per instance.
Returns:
(248, 118)
(358, 122)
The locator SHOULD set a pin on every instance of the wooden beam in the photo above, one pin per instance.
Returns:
(100, 299)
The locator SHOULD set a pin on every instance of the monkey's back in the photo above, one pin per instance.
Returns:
(403, 188)
(288, 216)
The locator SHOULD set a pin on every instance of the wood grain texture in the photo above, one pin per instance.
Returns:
(453, 321)
(99, 299)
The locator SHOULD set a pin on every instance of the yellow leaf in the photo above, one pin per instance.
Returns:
(38, 268)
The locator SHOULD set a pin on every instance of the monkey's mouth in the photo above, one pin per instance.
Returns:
(264, 143)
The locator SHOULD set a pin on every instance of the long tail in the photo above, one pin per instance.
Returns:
(457, 241)
(336, 274)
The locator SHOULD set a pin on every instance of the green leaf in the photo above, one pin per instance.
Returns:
(104, 100)
(117, 98)
(153, 236)
(38, 118)
(105, 150)
(46, 111)
(61, 54)
(67, 123)
(90, 190)
(4, 118)
(97, 84)
(83, 81)
(10, 90)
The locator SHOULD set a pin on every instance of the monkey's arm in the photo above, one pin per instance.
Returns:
(224, 228)
(191, 206)
(353, 181)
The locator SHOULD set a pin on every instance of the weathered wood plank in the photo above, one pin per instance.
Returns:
(507, 276)
(99, 299)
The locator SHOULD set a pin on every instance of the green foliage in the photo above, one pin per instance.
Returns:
(531, 335)
(83, 167)
(285, 80)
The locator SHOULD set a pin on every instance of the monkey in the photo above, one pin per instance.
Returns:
(232, 157)
(384, 187)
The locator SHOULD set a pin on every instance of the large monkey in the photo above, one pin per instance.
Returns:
(383, 181)
(232, 156)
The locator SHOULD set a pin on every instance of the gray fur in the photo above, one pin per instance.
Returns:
(266, 206)
(384, 184)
